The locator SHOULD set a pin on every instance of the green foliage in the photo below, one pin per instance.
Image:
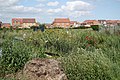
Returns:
(15, 54)
(95, 27)
(85, 54)
(81, 27)
(85, 65)
(6, 79)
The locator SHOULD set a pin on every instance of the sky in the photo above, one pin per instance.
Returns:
(46, 10)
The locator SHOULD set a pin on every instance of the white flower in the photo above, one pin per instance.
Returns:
(46, 41)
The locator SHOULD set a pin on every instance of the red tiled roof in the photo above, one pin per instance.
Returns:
(62, 20)
(72, 22)
(94, 22)
(118, 21)
(87, 21)
(17, 20)
(29, 20)
(111, 21)
(7, 25)
(24, 20)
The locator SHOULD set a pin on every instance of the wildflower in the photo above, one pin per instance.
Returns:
(46, 41)
(24, 35)
(87, 37)
(88, 45)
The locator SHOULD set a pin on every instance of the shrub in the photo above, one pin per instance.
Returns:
(85, 65)
(95, 27)
(15, 54)
(81, 27)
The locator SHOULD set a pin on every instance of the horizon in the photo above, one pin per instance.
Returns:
(44, 11)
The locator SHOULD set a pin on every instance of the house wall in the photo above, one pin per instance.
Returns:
(62, 25)
(6, 25)
(22, 23)
(17, 22)
(28, 25)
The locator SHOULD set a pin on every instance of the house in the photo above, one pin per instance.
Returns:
(61, 22)
(118, 22)
(111, 23)
(0, 24)
(6, 25)
(74, 24)
(23, 22)
(48, 25)
(88, 23)
(103, 22)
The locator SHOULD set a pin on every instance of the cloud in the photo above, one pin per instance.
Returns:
(4, 3)
(56, 3)
(10, 6)
(40, 5)
(41, 0)
(11, 9)
(76, 6)
(54, 10)
(73, 9)
(25, 9)
(70, 8)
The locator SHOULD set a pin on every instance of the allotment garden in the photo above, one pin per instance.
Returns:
(84, 54)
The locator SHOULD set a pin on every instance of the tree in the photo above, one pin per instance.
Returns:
(42, 27)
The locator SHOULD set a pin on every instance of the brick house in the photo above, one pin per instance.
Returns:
(61, 22)
(48, 25)
(88, 23)
(23, 22)
(111, 22)
(103, 22)
(6, 25)
(74, 24)
(118, 22)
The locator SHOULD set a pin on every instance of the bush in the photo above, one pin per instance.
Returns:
(81, 27)
(95, 27)
(84, 65)
(15, 54)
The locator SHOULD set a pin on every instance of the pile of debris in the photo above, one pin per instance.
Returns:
(43, 69)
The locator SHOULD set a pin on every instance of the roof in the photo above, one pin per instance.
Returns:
(87, 21)
(111, 21)
(94, 22)
(72, 22)
(6, 24)
(29, 20)
(25, 20)
(118, 21)
(62, 20)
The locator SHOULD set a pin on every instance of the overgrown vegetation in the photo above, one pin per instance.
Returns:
(85, 54)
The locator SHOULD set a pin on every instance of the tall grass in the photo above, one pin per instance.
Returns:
(85, 54)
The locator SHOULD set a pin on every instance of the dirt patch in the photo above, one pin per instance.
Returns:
(42, 69)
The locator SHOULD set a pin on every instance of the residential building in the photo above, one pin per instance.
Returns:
(74, 24)
(103, 22)
(61, 22)
(118, 22)
(111, 22)
(6, 25)
(23, 22)
(88, 23)
(0, 24)
(48, 25)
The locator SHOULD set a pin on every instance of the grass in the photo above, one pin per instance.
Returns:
(85, 54)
